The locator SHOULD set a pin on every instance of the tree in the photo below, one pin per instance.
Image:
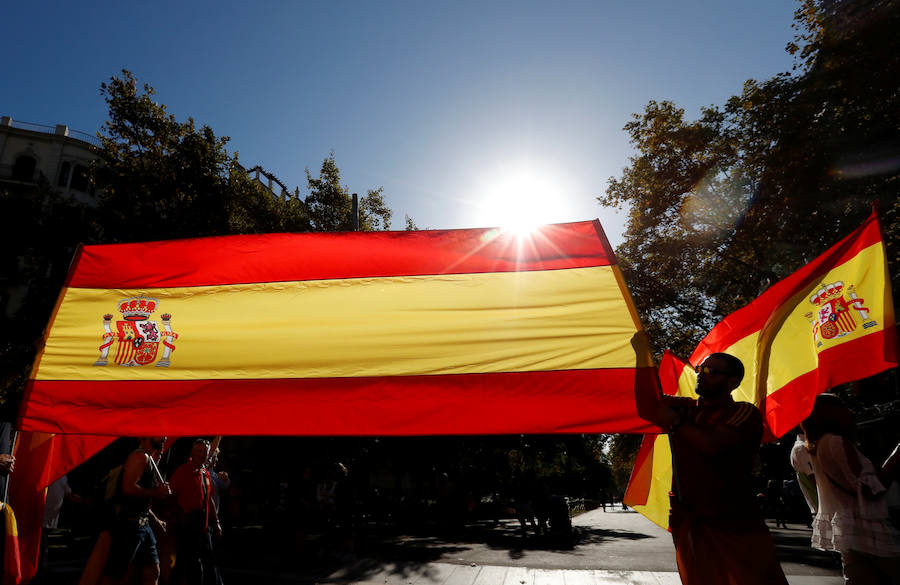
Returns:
(331, 205)
(163, 179)
(722, 207)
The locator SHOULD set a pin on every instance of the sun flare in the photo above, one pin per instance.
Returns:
(521, 198)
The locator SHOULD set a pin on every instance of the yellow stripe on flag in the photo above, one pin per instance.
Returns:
(387, 326)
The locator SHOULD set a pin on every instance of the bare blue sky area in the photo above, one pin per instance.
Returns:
(467, 113)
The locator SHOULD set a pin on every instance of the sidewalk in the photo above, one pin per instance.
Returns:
(447, 574)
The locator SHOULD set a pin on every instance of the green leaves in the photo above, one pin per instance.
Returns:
(330, 204)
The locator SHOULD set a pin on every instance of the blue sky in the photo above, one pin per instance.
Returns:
(464, 112)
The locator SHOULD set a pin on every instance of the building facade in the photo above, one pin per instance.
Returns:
(46, 158)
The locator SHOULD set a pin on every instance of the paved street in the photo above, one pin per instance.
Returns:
(615, 547)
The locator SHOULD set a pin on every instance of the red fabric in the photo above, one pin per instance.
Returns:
(315, 256)
(853, 360)
(27, 495)
(188, 490)
(670, 369)
(639, 483)
(570, 401)
(70, 451)
(41, 459)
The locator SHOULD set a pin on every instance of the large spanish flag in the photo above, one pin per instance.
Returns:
(384, 333)
(829, 323)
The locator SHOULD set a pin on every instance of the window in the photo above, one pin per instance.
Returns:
(64, 172)
(23, 170)
(80, 178)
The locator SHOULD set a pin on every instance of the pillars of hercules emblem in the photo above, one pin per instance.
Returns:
(856, 303)
(108, 337)
(168, 338)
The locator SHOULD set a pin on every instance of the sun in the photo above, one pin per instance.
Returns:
(520, 198)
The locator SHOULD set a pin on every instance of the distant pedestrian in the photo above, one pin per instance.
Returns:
(775, 502)
(58, 492)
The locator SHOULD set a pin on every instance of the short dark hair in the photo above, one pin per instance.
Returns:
(735, 366)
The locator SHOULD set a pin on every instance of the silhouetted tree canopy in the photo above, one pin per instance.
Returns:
(723, 206)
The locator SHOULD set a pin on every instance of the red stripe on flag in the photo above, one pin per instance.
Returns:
(317, 256)
(569, 401)
(852, 360)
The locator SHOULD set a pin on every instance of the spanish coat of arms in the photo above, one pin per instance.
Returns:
(136, 337)
(837, 314)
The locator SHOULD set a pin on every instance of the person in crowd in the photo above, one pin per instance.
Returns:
(522, 504)
(806, 476)
(58, 492)
(852, 516)
(7, 466)
(220, 481)
(602, 498)
(132, 544)
(774, 496)
(7, 461)
(196, 520)
(718, 531)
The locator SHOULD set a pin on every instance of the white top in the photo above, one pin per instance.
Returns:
(848, 519)
(56, 493)
(802, 464)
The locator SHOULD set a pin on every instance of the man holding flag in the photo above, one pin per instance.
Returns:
(719, 533)
(830, 322)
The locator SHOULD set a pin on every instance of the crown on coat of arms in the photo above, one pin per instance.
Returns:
(137, 308)
(827, 293)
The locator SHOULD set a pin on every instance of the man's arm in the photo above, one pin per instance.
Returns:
(134, 468)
